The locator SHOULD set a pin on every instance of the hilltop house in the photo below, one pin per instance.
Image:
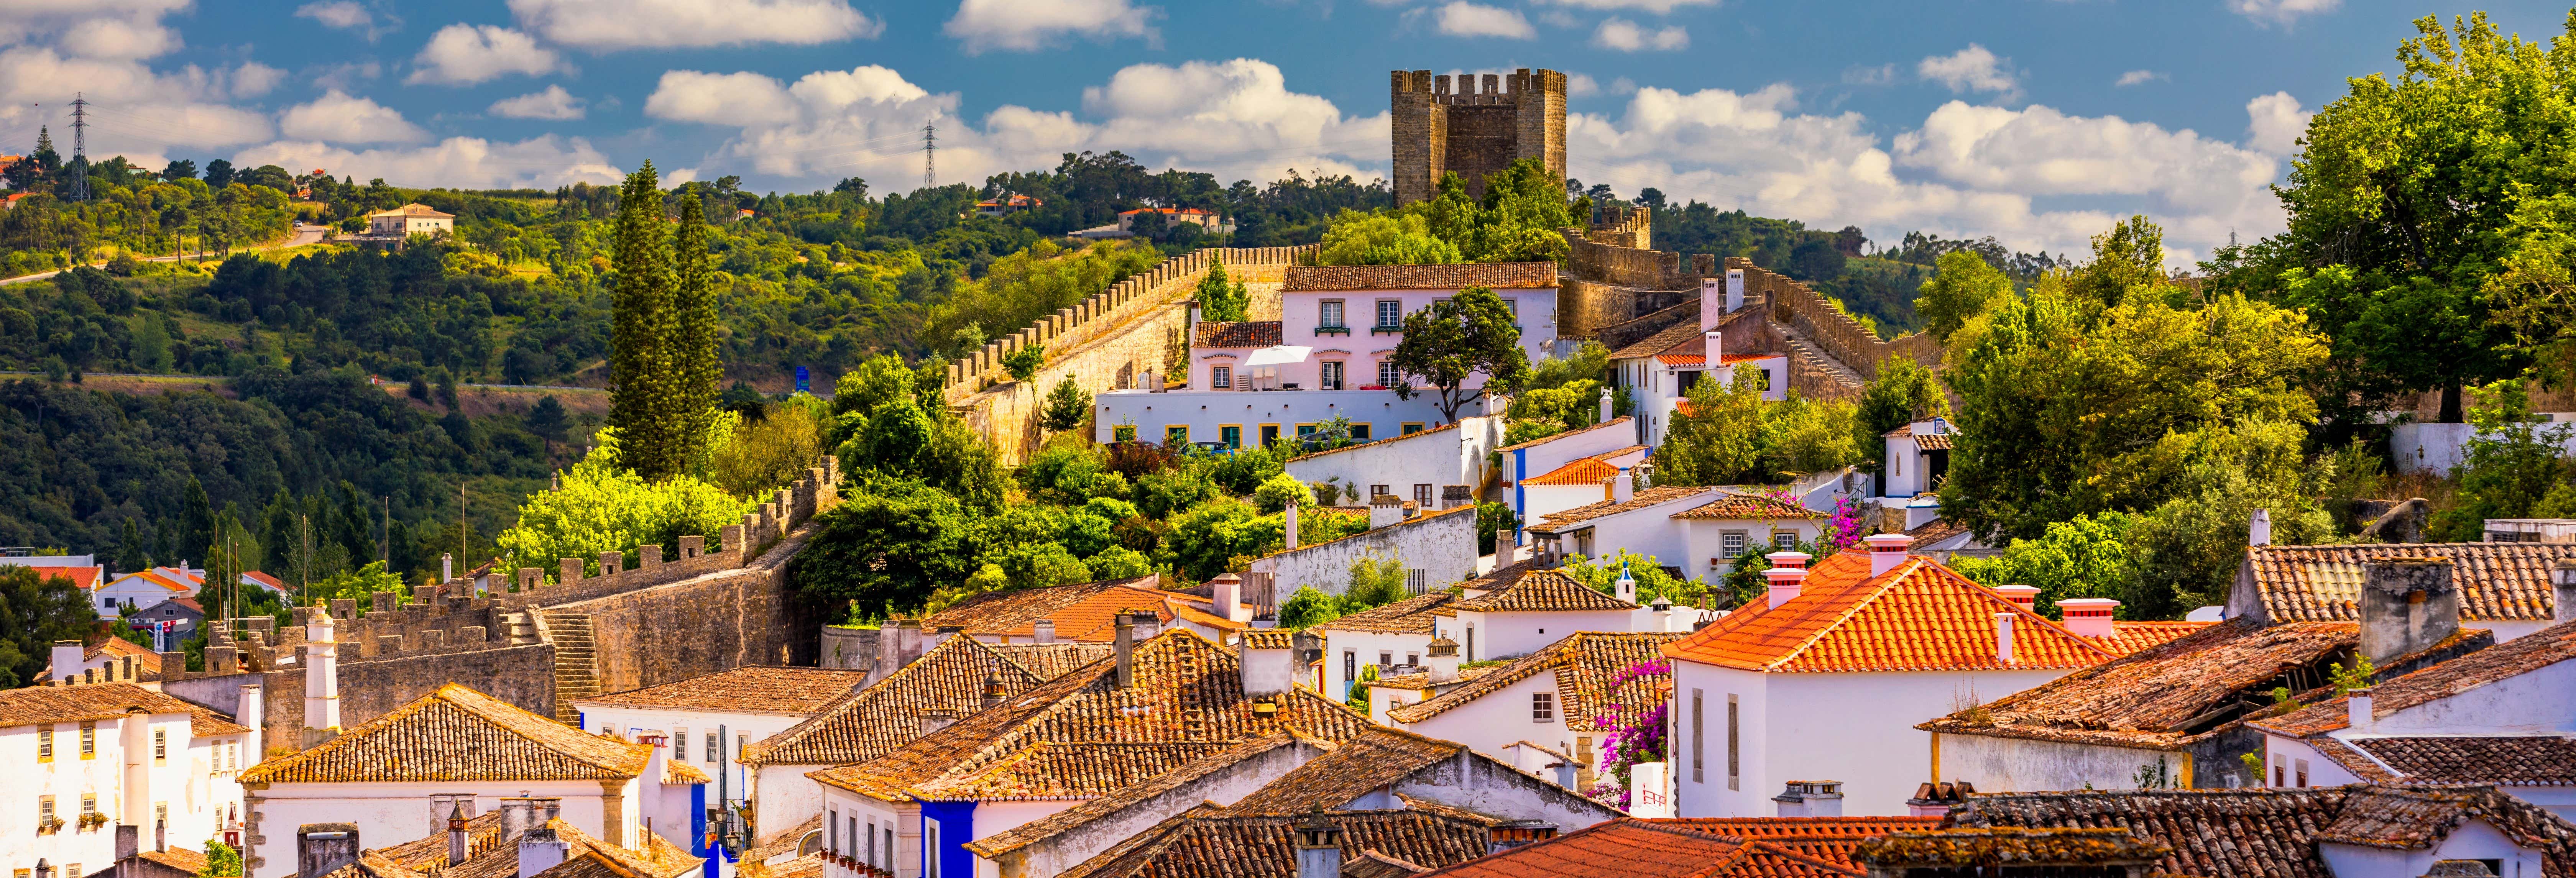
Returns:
(1764, 695)
(108, 767)
(411, 219)
(1327, 357)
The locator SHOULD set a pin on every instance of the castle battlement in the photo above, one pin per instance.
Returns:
(1482, 125)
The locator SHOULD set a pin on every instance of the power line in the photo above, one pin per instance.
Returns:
(79, 190)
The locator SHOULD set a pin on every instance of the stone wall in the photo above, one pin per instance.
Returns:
(717, 622)
(1829, 329)
(1472, 130)
(1443, 543)
(1613, 277)
(404, 654)
(1143, 333)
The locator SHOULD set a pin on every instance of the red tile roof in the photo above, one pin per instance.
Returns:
(2163, 697)
(871, 722)
(1634, 848)
(2512, 658)
(793, 691)
(1593, 470)
(1664, 339)
(2496, 581)
(1918, 616)
(1639, 500)
(1733, 507)
(1081, 612)
(1830, 839)
(1542, 591)
(2273, 833)
(458, 734)
(2515, 760)
(84, 577)
(1411, 615)
(1238, 334)
(1203, 843)
(1356, 278)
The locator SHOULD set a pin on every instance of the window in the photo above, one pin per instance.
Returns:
(89, 802)
(1332, 313)
(1390, 313)
(832, 830)
(161, 813)
(1896, 465)
(1410, 428)
(888, 861)
(1471, 644)
(1385, 657)
(44, 810)
(715, 750)
(1231, 435)
(741, 743)
(872, 841)
(853, 836)
(1350, 665)
(1221, 378)
(1731, 543)
(1699, 740)
(1386, 376)
(1176, 435)
(1269, 434)
(1412, 658)
(1542, 707)
(107, 603)
(1123, 433)
(2302, 773)
(1514, 306)
(161, 746)
(1734, 745)
(1359, 432)
(680, 745)
(930, 848)
(1766, 379)
(1376, 491)
(2280, 776)
(89, 739)
(1332, 375)
(1784, 540)
(1422, 495)
(45, 744)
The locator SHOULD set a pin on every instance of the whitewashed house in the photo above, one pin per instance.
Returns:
(1723, 529)
(1522, 614)
(1547, 702)
(1428, 467)
(1640, 521)
(1660, 375)
(1523, 461)
(1393, 639)
(1328, 356)
(1918, 458)
(1769, 693)
(708, 721)
(1583, 482)
(146, 588)
(2499, 587)
(2375, 830)
(96, 761)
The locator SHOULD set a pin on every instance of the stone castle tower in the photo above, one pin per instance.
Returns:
(1474, 131)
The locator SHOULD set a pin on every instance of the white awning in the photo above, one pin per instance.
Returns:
(1279, 355)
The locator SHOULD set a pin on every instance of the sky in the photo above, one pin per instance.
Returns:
(2039, 122)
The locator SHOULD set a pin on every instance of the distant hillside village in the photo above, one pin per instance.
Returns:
(1479, 538)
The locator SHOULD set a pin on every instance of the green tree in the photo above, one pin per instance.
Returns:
(692, 365)
(890, 545)
(2127, 260)
(1067, 407)
(641, 309)
(1024, 363)
(1904, 392)
(547, 420)
(1278, 491)
(602, 504)
(131, 555)
(1446, 345)
(1308, 608)
(2087, 557)
(1653, 581)
(34, 612)
(1378, 239)
(1964, 286)
(2512, 465)
(1719, 440)
(222, 861)
(1219, 299)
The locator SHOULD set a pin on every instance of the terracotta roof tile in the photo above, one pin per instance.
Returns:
(1376, 758)
(1201, 843)
(2525, 760)
(2128, 637)
(2267, 833)
(1933, 531)
(1354, 278)
(2496, 581)
(1578, 431)
(1270, 638)
(1918, 616)
(1635, 848)
(1084, 611)
(1663, 340)
(182, 859)
(1237, 334)
(1584, 663)
(1582, 471)
(2165, 696)
(1734, 507)
(91, 701)
(1051, 660)
(1649, 497)
(457, 734)
(2418, 817)
(1830, 839)
(874, 721)
(657, 859)
(2007, 849)
(1421, 681)
(794, 691)
(1933, 441)
(1077, 816)
(1376, 442)
(372, 865)
(2506, 660)
(1542, 591)
(1411, 615)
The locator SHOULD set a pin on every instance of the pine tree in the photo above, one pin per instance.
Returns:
(695, 369)
(641, 320)
(196, 519)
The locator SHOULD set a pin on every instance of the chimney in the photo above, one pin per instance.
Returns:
(941, 635)
(321, 848)
(1385, 510)
(907, 641)
(1605, 406)
(1042, 631)
(936, 718)
(1935, 799)
(1626, 588)
(1811, 798)
(67, 658)
(2407, 605)
(1787, 574)
(514, 816)
(2563, 590)
(2357, 710)
(1623, 487)
(446, 567)
(1715, 345)
(1441, 661)
(251, 712)
(1269, 664)
(456, 835)
(1148, 625)
(129, 841)
(1123, 645)
(1225, 592)
(540, 850)
(1289, 521)
(1319, 846)
(321, 680)
(1712, 302)
(2088, 617)
(993, 692)
(2259, 532)
(2023, 596)
(1886, 551)
(2003, 636)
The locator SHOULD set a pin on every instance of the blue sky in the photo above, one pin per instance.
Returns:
(2037, 121)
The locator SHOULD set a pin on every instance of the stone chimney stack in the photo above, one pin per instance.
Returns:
(1290, 522)
(2407, 605)
(1225, 592)
(2259, 531)
(457, 837)
(1811, 798)
(1786, 576)
(321, 680)
(2562, 581)
(2004, 636)
(540, 850)
(1623, 487)
(446, 567)
(1886, 551)
(321, 848)
(1712, 302)
(1269, 665)
(1042, 631)
(1716, 345)
(2088, 617)
(1123, 645)
(67, 660)
(1441, 661)
(1319, 846)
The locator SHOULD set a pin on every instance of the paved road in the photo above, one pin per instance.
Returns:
(305, 235)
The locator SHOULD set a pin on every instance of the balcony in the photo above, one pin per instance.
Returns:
(1332, 330)
(1397, 329)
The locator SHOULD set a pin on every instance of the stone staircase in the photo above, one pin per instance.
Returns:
(1814, 356)
(520, 628)
(576, 662)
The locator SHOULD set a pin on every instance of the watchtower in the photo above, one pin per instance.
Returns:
(1474, 130)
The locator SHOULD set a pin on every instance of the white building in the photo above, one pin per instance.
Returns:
(1548, 701)
(1081, 613)
(98, 760)
(1328, 356)
(411, 219)
(1918, 457)
(1611, 440)
(1661, 381)
(1422, 467)
(1393, 639)
(1827, 678)
(710, 720)
(2501, 715)
(147, 588)
(1584, 482)
(1535, 609)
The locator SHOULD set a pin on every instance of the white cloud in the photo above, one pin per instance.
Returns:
(464, 162)
(1023, 25)
(464, 54)
(136, 112)
(553, 103)
(2138, 77)
(338, 14)
(2281, 12)
(1460, 18)
(1972, 69)
(1658, 7)
(2277, 123)
(1578, 85)
(609, 25)
(340, 118)
(720, 99)
(119, 38)
(1879, 75)
(1627, 36)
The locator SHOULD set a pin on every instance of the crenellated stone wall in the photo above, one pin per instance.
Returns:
(1829, 328)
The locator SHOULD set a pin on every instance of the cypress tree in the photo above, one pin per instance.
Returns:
(641, 307)
(695, 370)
